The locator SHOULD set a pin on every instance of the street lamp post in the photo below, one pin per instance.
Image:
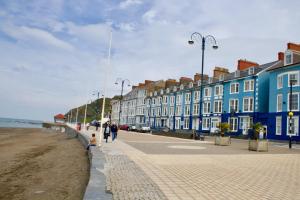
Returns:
(86, 105)
(195, 37)
(122, 82)
(77, 116)
(291, 114)
(71, 116)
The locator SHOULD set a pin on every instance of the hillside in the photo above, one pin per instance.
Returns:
(93, 111)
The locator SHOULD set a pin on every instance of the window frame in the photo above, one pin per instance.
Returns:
(276, 125)
(235, 125)
(236, 105)
(236, 88)
(288, 100)
(280, 83)
(219, 103)
(249, 108)
(251, 85)
(277, 103)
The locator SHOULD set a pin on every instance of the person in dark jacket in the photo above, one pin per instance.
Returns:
(106, 131)
(114, 131)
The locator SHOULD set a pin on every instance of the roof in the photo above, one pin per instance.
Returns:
(59, 116)
(296, 60)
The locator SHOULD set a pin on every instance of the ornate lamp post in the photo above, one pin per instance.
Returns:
(122, 82)
(197, 37)
(291, 114)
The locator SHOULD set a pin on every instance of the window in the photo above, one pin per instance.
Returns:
(206, 92)
(187, 98)
(197, 96)
(205, 123)
(218, 106)
(196, 109)
(234, 88)
(172, 99)
(158, 111)
(233, 105)
(171, 111)
(294, 101)
(279, 103)
(288, 59)
(187, 110)
(178, 100)
(248, 104)
(218, 90)
(178, 110)
(165, 99)
(206, 107)
(279, 81)
(186, 123)
(294, 76)
(251, 71)
(159, 100)
(278, 125)
(165, 111)
(293, 125)
(177, 124)
(245, 124)
(233, 124)
(248, 85)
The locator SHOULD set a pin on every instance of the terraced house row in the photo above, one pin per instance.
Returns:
(253, 93)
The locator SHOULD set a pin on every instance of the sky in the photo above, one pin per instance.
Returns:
(54, 53)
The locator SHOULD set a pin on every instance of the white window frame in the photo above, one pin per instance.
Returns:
(205, 123)
(236, 104)
(196, 109)
(277, 103)
(206, 107)
(178, 99)
(172, 98)
(187, 110)
(219, 108)
(236, 88)
(220, 87)
(186, 123)
(288, 101)
(279, 81)
(249, 107)
(177, 123)
(288, 53)
(178, 110)
(235, 125)
(196, 96)
(208, 91)
(278, 123)
(171, 111)
(250, 84)
(187, 99)
(297, 78)
(296, 133)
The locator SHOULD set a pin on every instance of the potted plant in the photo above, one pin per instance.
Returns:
(221, 139)
(257, 143)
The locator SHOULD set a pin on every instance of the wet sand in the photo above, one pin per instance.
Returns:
(38, 164)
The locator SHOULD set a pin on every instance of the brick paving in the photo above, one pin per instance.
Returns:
(147, 165)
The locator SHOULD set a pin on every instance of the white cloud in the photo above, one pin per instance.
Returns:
(127, 3)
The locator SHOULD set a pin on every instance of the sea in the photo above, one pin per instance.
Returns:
(19, 123)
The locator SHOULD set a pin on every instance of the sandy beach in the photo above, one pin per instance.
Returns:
(38, 164)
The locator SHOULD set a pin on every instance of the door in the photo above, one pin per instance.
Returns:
(215, 121)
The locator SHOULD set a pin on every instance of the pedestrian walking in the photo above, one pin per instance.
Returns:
(106, 131)
(114, 131)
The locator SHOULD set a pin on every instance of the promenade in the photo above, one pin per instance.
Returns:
(144, 166)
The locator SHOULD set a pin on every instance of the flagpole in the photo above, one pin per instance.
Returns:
(104, 95)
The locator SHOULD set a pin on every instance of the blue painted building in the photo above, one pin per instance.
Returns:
(284, 98)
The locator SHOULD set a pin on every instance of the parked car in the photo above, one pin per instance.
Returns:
(124, 127)
(132, 128)
(145, 129)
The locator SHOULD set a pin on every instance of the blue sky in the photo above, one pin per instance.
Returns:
(53, 54)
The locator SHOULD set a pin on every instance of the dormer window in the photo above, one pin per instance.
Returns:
(168, 90)
(174, 89)
(190, 84)
(161, 91)
(181, 87)
(288, 58)
(237, 73)
(210, 80)
(221, 77)
(199, 83)
(251, 71)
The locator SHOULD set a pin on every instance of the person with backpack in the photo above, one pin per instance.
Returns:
(114, 131)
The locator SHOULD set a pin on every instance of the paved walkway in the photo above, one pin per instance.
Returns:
(186, 169)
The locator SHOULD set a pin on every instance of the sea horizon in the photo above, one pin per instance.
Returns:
(7, 122)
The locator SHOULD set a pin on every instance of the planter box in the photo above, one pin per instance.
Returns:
(258, 145)
(222, 141)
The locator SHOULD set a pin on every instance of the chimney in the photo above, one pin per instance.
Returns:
(245, 64)
(197, 77)
(293, 46)
(185, 80)
(218, 71)
(170, 82)
(280, 56)
(147, 82)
